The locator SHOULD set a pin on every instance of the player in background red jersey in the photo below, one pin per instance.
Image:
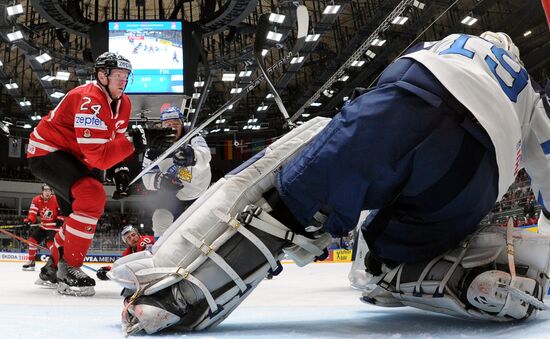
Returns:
(136, 243)
(44, 207)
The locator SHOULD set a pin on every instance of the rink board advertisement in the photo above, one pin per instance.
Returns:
(90, 258)
(341, 255)
(155, 49)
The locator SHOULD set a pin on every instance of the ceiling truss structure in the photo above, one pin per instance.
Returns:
(333, 65)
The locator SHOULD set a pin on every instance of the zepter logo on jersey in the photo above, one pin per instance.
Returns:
(89, 121)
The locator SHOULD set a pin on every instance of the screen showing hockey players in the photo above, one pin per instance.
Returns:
(155, 49)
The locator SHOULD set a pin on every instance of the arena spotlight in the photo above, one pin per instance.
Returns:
(44, 57)
(277, 18)
(331, 9)
(16, 35)
(469, 20)
(14, 10)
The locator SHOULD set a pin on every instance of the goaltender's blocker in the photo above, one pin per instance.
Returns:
(197, 275)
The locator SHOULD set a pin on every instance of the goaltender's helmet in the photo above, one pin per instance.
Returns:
(109, 61)
(503, 41)
(126, 231)
(172, 113)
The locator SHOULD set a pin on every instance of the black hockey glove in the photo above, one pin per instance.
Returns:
(138, 139)
(121, 178)
(102, 273)
(160, 138)
(59, 223)
(185, 156)
(167, 182)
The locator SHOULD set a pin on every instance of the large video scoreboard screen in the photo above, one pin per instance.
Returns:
(155, 49)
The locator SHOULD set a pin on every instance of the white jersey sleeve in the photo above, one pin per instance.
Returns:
(149, 177)
(198, 177)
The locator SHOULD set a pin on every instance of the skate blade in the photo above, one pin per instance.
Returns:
(83, 291)
(28, 269)
(45, 283)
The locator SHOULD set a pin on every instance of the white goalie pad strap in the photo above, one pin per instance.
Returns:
(209, 251)
(265, 222)
(236, 225)
(418, 286)
(207, 295)
(230, 299)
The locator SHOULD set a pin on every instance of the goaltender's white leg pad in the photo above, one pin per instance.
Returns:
(201, 222)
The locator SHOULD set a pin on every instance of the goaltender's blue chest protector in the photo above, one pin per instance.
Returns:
(406, 149)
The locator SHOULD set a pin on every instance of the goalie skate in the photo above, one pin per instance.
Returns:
(495, 274)
(220, 248)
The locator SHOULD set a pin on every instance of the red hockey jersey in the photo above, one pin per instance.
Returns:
(85, 125)
(48, 211)
(145, 242)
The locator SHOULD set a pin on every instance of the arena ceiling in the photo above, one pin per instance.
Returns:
(324, 78)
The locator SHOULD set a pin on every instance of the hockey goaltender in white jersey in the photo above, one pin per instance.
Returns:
(428, 151)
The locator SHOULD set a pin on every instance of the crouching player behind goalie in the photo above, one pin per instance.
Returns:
(430, 150)
(135, 243)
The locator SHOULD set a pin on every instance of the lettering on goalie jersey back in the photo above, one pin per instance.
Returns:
(83, 123)
(511, 77)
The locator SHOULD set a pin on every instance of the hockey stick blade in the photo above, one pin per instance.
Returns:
(22, 239)
(302, 19)
(4, 128)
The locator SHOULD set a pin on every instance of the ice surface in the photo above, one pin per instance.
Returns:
(310, 302)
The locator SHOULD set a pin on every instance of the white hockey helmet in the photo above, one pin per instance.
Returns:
(126, 231)
(503, 41)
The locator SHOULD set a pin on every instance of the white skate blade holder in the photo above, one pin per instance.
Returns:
(82, 291)
(45, 284)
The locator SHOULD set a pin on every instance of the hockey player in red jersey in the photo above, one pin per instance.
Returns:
(136, 243)
(84, 134)
(44, 207)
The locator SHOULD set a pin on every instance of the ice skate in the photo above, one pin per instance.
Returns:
(48, 275)
(29, 265)
(73, 281)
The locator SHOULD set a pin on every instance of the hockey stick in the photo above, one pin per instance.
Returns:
(23, 240)
(89, 267)
(213, 117)
(302, 19)
(16, 226)
(208, 83)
